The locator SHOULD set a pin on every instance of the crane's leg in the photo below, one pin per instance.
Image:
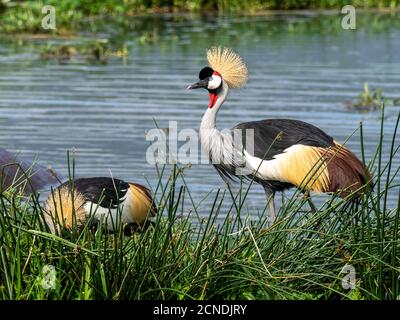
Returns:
(310, 203)
(313, 209)
(271, 202)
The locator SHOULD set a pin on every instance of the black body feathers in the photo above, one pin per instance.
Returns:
(104, 191)
(273, 136)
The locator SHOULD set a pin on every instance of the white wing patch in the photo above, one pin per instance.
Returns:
(273, 169)
(115, 216)
(299, 165)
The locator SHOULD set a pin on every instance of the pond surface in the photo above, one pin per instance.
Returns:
(301, 66)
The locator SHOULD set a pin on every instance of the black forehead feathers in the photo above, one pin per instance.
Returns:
(205, 73)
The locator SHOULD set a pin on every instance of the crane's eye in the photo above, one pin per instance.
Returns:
(214, 82)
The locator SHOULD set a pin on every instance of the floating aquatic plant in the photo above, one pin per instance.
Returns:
(372, 100)
(96, 51)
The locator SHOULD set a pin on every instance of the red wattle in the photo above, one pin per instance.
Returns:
(213, 99)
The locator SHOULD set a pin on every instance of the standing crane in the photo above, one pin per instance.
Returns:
(281, 153)
(77, 201)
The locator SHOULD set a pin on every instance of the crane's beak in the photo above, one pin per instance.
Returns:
(200, 84)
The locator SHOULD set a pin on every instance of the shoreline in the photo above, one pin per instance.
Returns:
(63, 33)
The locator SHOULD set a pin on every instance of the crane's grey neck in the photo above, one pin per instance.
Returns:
(209, 120)
(220, 146)
(211, 138)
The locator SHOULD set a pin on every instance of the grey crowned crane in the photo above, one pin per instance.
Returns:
(76, 202)
(109, 199)
(23, 175)
(280, 153)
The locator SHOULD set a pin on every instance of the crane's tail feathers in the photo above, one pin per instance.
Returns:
(144, 202)
(347, 174)
(24, 175)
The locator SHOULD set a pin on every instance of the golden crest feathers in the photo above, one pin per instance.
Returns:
(64, 205)
(229, 64)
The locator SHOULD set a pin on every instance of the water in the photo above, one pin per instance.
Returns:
(301, 67)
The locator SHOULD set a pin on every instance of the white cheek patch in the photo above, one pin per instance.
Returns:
(215, 82)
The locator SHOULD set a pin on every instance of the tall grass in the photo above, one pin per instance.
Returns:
(226, 255)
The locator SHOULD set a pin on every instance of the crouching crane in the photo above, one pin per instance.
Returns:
(281, 153)
(111, 200)
(79, 201)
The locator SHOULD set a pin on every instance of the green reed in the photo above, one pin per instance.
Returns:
(231, 252)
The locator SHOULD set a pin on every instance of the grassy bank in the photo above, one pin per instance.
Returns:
(26, 16)
(185, 256)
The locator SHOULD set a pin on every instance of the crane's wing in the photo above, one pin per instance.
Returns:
(24, 175)
(301, 154)
(148, 198)
(104, 191)
(273, 136)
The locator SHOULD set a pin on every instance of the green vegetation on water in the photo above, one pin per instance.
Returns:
(226, 255)
(94, 51)
(372, 100)
(26, 16)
